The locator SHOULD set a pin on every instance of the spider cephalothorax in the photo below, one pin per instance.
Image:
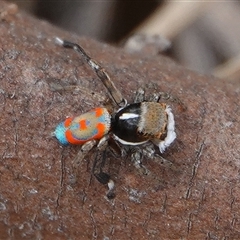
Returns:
(131, 125)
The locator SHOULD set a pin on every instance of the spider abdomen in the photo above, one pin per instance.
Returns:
(78, 130)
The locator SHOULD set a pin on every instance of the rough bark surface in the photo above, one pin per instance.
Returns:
(197, 197)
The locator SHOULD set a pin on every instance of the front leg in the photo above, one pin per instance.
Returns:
(166, 97)
(154, 97)
(139, 96)
(136, 158)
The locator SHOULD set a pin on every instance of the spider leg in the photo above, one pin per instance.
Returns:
(136, 158)
(154, 97)
(157, 97)
(99, 163)
(140, 96)
(100, 175)
(85, 149)
(100, 71)
(163, 96)
(115, 148)
(149, 150)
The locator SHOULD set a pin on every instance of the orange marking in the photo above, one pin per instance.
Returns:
(83, 125)
(68, 121)
(71, 139)
(101, 131)
(99, 112)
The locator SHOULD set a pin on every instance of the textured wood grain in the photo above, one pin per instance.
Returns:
(194, 197)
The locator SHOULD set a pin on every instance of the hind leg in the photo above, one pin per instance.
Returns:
(85, 149)
(102, 176)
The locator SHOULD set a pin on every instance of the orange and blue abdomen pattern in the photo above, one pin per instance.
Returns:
(91, 125)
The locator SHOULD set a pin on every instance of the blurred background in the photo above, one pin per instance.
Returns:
(201, 35)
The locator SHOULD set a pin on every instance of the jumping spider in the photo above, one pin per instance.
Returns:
(131, 125)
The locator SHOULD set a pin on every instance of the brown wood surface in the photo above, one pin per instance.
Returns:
(197, 197)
